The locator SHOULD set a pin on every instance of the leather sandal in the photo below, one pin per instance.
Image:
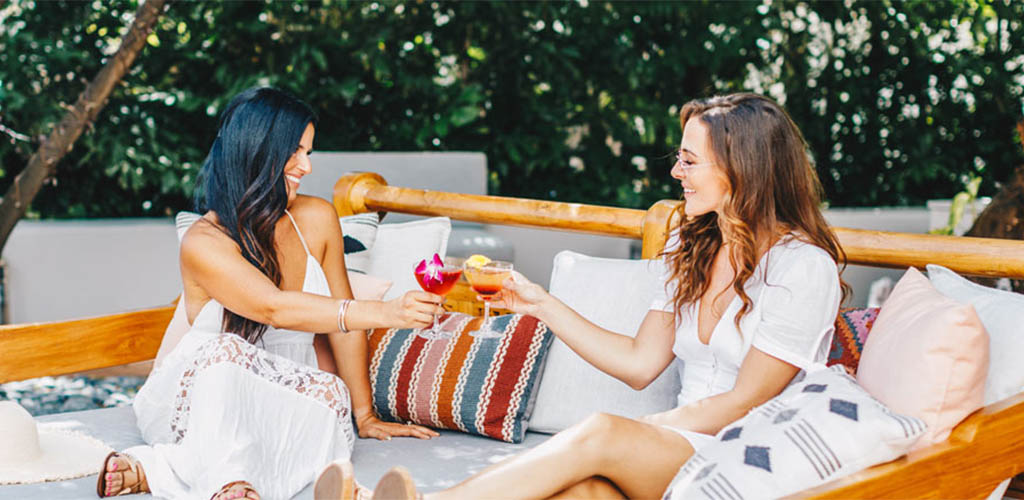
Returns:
(338, 482)
(246, 487)
(133, 465)
(396, 484)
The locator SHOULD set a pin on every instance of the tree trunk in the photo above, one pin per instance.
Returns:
(1004, 217)
(42, 163)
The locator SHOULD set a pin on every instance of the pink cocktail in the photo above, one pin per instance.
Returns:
(437, 277)
(449, 276)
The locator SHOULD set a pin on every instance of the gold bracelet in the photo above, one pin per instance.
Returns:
(342, 309)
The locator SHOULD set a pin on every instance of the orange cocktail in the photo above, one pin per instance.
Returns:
(485, 276)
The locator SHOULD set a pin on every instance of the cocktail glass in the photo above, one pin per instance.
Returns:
(439, 277)
(486, 280)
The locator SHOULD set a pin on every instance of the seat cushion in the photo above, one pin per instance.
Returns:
(435, 464)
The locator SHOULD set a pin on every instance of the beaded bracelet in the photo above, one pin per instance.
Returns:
(342, 309)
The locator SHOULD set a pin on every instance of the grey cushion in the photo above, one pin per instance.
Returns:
(436, 464)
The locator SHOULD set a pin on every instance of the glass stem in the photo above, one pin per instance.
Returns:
(486, 325)
(434, 328)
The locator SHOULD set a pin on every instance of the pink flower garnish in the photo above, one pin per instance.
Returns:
(430, 269)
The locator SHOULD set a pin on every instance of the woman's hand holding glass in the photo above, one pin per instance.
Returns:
(521, 295)
(414, 309)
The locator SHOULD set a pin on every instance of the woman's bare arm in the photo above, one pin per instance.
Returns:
(637, 361)
(212, 265)
(761, 377)
(350, 349)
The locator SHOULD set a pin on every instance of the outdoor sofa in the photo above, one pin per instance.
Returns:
(983, 450)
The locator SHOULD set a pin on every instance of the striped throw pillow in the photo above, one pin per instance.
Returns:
(481, 386)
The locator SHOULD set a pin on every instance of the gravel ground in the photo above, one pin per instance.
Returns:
(45, 395)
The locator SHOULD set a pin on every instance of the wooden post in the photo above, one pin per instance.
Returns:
(655, 228)
(350, 192)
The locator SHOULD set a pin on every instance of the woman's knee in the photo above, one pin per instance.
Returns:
(592, 488)
(597, 430)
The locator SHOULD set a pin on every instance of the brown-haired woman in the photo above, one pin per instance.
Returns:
(751, 292)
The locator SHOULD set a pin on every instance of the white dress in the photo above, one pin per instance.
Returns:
(219, 409)
(795, 292)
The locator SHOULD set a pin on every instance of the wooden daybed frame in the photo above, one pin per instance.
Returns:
(982, 451)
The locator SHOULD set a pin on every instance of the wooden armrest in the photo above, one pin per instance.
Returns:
(983, 450)
(60, 347)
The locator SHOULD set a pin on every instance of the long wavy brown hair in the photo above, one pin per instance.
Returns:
(773, 191)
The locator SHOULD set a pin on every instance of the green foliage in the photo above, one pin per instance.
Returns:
(576, 101)
(960, 202)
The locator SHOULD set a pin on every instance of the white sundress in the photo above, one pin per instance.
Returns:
(795, 292)
(220, 409)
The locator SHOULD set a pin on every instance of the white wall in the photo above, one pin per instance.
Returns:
(69, 269)
(904, 220)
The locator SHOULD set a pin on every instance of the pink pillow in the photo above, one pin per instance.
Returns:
(366, 287)
(927, 357)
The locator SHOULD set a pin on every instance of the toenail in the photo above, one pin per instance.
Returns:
(113, 465)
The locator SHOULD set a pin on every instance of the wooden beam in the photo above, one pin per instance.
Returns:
(963, 254)
(43, 349)
(366, 195)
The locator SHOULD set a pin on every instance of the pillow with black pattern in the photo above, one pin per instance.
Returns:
(822, 428)
(360, 233)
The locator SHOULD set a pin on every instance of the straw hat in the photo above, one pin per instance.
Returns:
(32, 454)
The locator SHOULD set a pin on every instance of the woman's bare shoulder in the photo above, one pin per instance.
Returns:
(311, 211)
(205, 235)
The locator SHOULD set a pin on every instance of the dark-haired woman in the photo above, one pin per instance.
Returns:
(238, 408)
(751, 292)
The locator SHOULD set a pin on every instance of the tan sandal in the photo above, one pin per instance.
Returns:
(338, 482)
(396, 484)
(140, 485)
(243, 487)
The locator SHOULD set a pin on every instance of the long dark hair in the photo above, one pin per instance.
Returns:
(774, 190)
(242, 180)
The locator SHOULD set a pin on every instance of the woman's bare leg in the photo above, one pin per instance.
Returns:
(593, 488)
(640, 459)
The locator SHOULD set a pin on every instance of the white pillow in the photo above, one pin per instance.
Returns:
(183, 221)
(614, 294)
(1002, 313)
(822, 428)
(399, 247)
